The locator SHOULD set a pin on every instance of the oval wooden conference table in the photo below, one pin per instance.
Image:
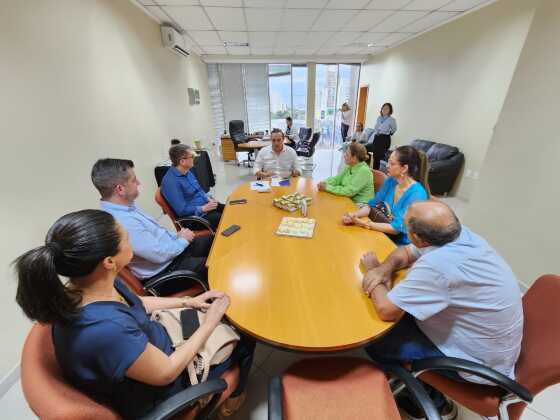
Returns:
(296, 293)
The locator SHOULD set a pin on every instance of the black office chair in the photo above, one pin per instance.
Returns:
(305, 134)
(306, 149)
(238, 136)
(237, 132)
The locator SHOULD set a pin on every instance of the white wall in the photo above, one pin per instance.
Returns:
(449, 84)
(80, 80)
(516, 204)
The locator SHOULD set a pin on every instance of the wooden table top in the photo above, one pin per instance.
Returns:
(296, 293)
(253, 144)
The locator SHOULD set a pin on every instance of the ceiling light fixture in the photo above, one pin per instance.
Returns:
(236, 44)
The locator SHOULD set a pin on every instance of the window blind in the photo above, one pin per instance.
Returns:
(255, 79)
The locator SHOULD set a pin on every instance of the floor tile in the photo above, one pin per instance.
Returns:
(14, 406)
(256, 404)
(547, 402)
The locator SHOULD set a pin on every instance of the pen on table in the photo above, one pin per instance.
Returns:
(259, 184)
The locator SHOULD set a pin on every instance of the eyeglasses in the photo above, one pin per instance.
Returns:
(188, 157)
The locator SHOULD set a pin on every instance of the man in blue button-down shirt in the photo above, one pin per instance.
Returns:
(156, 249)
(182, 191)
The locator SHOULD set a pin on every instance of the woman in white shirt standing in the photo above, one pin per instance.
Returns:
(345, 120)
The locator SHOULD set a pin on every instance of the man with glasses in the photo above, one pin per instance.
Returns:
(156, 250)
(182, 191)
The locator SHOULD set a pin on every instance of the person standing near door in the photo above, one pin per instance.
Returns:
(385, 127)
(346, 120)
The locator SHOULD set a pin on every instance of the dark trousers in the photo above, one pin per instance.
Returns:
(241, 355)
(193, 258)
(344, 131)
(214, 216)
(381, 143)
(405, 342)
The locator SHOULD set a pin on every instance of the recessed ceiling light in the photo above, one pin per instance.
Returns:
(236, 44)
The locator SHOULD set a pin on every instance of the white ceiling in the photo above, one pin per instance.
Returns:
(303, 27)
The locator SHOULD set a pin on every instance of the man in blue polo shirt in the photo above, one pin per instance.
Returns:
(459, 299)
(182, 191)
(156, 249)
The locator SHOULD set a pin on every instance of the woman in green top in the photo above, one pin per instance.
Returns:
(356, 179)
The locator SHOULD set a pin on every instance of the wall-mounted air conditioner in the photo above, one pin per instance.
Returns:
(173, 40)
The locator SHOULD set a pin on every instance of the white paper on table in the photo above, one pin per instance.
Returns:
(260, 186)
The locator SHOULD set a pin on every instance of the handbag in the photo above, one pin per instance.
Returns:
(217, 348)
(380, 213)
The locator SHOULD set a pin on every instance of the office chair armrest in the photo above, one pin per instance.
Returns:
(416, 390)
(275, 395)
(195, 220)
(461, 365)
(178, 402)
(154, 284)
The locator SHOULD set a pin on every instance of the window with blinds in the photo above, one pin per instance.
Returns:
(216, 99)
(255, 80)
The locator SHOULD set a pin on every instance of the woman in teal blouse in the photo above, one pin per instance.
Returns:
(355, 180)
(398, 192)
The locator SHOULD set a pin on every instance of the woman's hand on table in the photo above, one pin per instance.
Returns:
(201, 301)
(216, 310)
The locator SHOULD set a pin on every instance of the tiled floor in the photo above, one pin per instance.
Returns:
(270, 361)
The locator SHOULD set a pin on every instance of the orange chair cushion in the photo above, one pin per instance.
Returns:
(337, 388)
(52, 398)
(47, 393)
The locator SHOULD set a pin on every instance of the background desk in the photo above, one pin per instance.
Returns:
(296, 293)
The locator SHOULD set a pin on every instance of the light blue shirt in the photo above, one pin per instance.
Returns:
(385, 125)
(467, 301)
(154, 246)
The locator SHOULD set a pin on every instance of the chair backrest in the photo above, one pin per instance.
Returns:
(315, 139)
(305, 133)
(133, 283)
(166, 208)
(538, 366)
(424, 171)
(378, 179)
(237, 130)
(45, 389)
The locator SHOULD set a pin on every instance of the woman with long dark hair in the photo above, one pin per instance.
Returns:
(104, 341)
(403, 187)
(385, 127)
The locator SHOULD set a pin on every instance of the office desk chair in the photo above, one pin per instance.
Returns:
(334, 388)
(199, 225)
(178, 283)
(51, 397)
(378, 179)
(537, 368)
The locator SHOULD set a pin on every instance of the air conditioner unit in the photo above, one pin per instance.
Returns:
(173, 40)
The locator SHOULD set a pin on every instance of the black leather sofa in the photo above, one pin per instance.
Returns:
(445, 164)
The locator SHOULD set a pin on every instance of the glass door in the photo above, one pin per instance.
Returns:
(325, 103)
(335, 84)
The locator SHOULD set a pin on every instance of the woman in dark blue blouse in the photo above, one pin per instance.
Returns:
(104, 341)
